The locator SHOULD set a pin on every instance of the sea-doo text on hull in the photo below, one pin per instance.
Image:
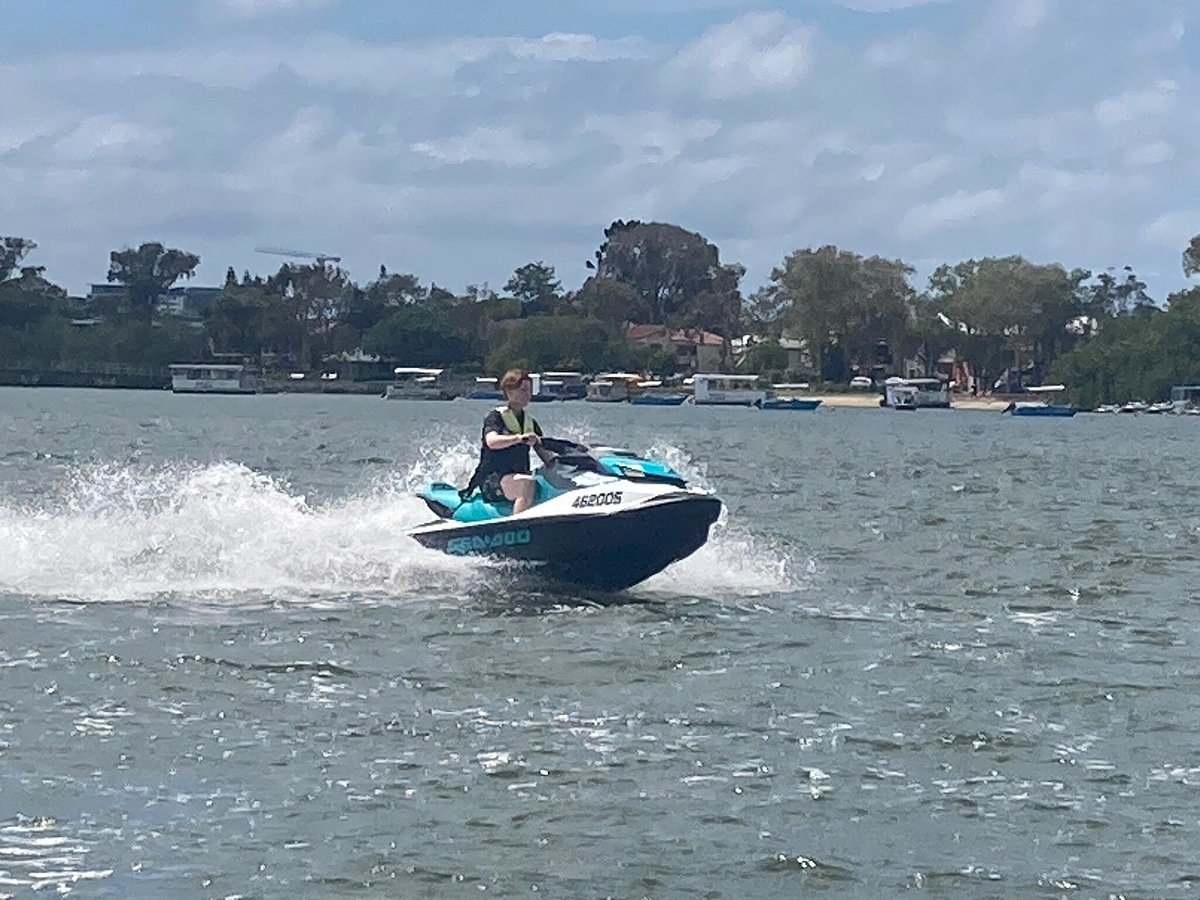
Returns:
(603, 518)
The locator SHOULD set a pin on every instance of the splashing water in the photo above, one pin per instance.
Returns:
(223, 531)
(120, 533)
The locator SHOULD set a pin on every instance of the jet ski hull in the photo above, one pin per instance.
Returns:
(610, 550)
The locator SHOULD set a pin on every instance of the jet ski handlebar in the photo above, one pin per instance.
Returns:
(561, 447)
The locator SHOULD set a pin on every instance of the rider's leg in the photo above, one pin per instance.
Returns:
(520, 490)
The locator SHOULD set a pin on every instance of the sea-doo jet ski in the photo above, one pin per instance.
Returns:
(602, 518)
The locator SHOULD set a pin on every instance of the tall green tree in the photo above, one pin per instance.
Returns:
(314, 296)
(147, 273)
(33, 311)
(252, 318)
(609, 300)
(666, 265)
(420, 336)
(12, 251)
(1191, 257)
(536, 286)
(1115, 295)
(842, 304)
(1139, 356)
(560, 342)
(1012, 313)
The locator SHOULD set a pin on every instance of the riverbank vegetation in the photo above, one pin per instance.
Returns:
(1007, 320)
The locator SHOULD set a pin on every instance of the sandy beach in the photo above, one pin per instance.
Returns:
(871, 401)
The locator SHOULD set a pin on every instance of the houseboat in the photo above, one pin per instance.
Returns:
(713, 389)
(417, 384)
(1185, 397)
(613, 387)
(210, 378)
(916, 393)
(558, 386)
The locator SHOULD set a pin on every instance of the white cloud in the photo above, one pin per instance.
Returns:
(955, 209)
(1172, 230)
(501, 145)
(101, 137)
(462, 158)
(255, 9)
(1029, 13)
(755, 53)
(651, 136)
(1150, 154)
(1138, 103)
(887, 6)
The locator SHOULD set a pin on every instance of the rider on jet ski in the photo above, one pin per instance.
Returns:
(508, 433)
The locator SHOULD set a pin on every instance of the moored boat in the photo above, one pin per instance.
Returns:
(414, 383)
(787, 397)
(1042, 407)
(211, 378)
(651, 393)
(714, 389)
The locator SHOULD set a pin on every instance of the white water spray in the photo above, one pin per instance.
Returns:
(223, 532)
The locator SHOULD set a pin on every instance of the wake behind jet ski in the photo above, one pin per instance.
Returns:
(602, 518)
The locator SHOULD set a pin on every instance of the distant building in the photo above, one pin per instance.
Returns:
(798, 358)
(695, 351)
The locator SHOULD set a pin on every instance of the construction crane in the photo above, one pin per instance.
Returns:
(321, 258)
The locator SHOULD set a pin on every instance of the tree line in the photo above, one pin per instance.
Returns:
(1012, 321)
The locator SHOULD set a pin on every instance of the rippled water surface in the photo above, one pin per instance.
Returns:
(949, 652)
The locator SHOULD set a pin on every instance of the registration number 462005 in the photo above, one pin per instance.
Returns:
(606, 499)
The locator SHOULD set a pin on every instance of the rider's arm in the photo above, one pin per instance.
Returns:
(497, 441)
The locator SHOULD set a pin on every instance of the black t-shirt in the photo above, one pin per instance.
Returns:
(510, 460)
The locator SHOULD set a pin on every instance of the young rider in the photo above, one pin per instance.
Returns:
(508, 433)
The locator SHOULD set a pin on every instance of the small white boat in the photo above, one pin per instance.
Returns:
(1185, 399)
(549, 386)
(417, 384)
(789, 396)
(1042, 407)
(613, 387)
(916, 393)
(652, 393)
(711, 389)
(210, 378)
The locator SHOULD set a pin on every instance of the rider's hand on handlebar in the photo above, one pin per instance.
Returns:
(533, 440)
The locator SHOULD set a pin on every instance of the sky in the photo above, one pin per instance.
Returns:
(459, 140)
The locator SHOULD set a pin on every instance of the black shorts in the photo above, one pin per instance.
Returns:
(491, 490)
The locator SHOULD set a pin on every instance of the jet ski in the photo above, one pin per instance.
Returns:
(603, 518)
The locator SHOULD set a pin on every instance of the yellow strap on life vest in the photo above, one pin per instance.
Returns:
(510, 421)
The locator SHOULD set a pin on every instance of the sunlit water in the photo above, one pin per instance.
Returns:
(951, 652)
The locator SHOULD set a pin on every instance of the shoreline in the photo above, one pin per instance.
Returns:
(828, 401)
(871, 401)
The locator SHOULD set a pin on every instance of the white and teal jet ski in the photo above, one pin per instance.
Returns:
(602, 518)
